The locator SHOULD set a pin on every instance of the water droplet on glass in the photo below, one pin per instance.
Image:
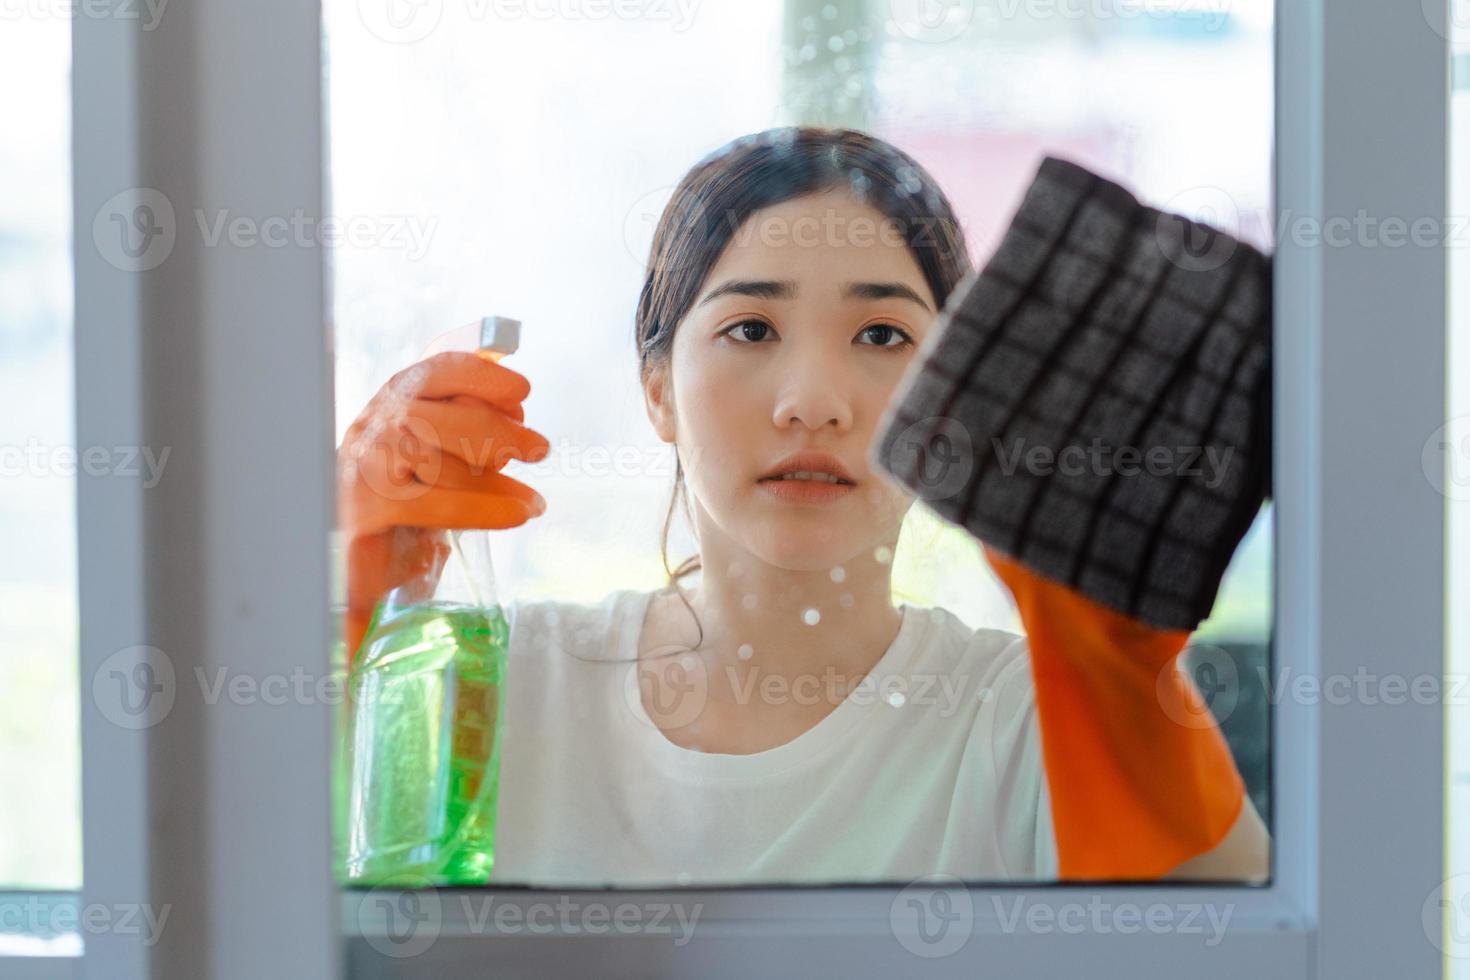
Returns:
(745, 652)
(688, 662)
(808, 52)
(829, 12)
(811, 617)
(883, 554)
(839, 574)
(748, 600)
(896, 699)
(984, 694)
(808, 23)
(683, 878)
(834, 43)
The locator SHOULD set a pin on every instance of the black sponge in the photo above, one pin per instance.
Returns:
(1096, 401)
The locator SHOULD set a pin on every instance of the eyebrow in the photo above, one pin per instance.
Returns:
(786, 289)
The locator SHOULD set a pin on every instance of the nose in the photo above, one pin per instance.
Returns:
(814, 393)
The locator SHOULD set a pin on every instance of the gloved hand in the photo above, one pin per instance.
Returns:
(1102, 327)
(422, 458)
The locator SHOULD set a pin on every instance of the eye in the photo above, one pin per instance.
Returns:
(885, 335)
(748, 331)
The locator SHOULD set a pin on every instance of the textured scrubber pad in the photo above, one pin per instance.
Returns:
(1100, 327)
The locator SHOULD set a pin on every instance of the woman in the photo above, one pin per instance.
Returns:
(779, 720)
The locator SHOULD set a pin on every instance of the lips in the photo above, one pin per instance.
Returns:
(811, 467)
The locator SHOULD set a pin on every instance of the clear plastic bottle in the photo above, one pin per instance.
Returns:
(424, 708)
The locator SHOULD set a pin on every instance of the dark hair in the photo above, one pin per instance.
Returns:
(718, 194)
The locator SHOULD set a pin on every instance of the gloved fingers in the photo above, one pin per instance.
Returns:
(453, 473)
(413, 460)
(483, 437)
(439, 507)
(454, 373)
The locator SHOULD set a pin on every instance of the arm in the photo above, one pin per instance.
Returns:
(1100, 322)
(1244, 854)
(1142, 783)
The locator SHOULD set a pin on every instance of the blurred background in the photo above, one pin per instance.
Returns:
(516, 165)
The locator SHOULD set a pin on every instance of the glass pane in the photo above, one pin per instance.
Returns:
(515, 159)
(40, 777)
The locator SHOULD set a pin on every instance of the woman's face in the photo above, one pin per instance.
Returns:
(795, 343)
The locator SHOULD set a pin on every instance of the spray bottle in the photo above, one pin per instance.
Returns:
(424, 707)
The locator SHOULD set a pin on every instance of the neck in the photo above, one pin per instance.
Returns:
(793, 622)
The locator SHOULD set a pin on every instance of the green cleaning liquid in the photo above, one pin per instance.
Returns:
(421, 746)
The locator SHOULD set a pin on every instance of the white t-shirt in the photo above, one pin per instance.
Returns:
(931, 766)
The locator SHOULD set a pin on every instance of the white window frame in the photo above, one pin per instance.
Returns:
(221, 354)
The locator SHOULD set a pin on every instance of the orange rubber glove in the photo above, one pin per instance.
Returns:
(1102, 326)
(422, 458)
(1140, 776)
